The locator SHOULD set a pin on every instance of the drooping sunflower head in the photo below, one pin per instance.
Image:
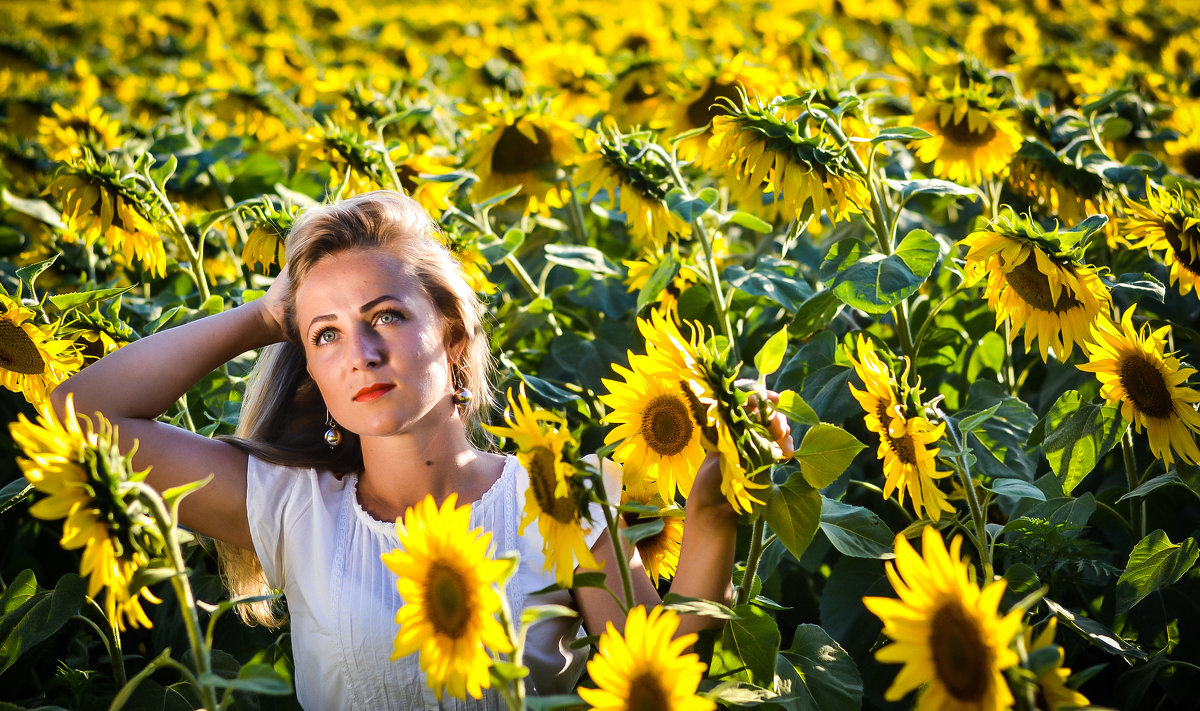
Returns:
(340, 147)
(948, 634)
(448, 581)
(1036, 281)
(643, 269)
(1061, 189)
(973, 137)
(557, 495)
(1148, 384)
(1169, 222)
(1002, 36)
(416, 162)
(659, 551)
(71, 132)
(1053, 692)
(33, 358)
(632, 175)
(91, 485)
(271, 223)
(777, 165)
(655, 431)
(645, 669)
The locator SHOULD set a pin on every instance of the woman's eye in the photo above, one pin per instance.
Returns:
(387, 317)
(325, 335)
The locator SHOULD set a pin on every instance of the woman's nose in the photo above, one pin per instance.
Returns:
(368, 349)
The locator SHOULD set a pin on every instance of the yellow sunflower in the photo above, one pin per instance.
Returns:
(82, 475)
(555, 497)
(646, 668)
(947, 633)
(909, 464)
(1169, 221)
(1053, 692)
(33, 360)
(973, 138)
(1060, 189)
(1002, 36)
(448, 582)
(415, 162)
(1150, 385)
(640, 271)
(660, 552)
(95, 206)
(70, 131)
(654, 427)
(526, 148)
(1049, 295)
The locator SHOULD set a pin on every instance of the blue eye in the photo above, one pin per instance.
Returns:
(388, 317)
(325, 335)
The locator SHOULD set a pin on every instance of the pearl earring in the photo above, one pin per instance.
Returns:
(333, 435)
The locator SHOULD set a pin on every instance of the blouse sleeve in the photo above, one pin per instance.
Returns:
(273, 504)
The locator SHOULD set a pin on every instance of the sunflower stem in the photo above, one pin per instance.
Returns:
(615, 536)
(752, 560)
(179, 233)
(1137, 509)
(960, 465)
(514, 698)
(112, 643)
(576, 213)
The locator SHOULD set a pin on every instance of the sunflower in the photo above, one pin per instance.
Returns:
(645, 669)
(654, 427)
(973, 138)
(1035, 286)
(448, 583)
(1002, 36)
(1060, 188)
(1149, 385)
(640, 271)
(1185, 150)
(946, 632)
(633, 178)
(659, 552)
(764, 153)
(555, 497)
(909, 464)
(86, 481)
(97, 204)
(526, 148)
(414, 163)
(1053, 692)
(265, 243)
(33, 360)
(1169, 221)
(636, 96)
(70, 131)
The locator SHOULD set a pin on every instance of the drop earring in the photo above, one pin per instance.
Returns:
(333, 435)
(462, 397)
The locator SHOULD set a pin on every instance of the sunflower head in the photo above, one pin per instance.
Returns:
(973, 137)
(71, 133)
(448, 581)
(34, 358)
(1059, 188)
(91, 485)
(1052, 677)
(271, 224)
(1168, 221)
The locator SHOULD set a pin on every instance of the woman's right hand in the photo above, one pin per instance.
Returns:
(273, 305)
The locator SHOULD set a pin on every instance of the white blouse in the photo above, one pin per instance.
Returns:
(318, 545)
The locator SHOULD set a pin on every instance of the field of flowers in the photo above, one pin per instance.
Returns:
(961, 239)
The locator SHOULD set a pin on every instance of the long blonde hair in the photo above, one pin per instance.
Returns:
(283, 416)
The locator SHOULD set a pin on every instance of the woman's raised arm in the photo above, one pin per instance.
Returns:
(137, 383)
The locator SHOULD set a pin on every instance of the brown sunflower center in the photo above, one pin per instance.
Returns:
(666, 425)
(704, 109)
(995, 38)
(1185, 245)
(959, 132)
(1034, 288)
(903, 446)
(515, 153)
(1190, 160)
(646, 693)
(542, 481)
(448, 600)
(960, 656)
(18, 352)
(1145, 386)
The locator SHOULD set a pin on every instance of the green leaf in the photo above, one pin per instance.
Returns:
(663, 274)
(498, 198)
(23, 587)
(538, 613)
(175, 493)
(771, 278)
(1011, 486)
(66, 302)
(793, 512)
(1094, 632)
(769, 358)
(908, 188)
(253, 678)
(14, 492)
(1154, 563)
(816, 313)
(697, 606)
(901, 133)
(1078, 434)
(38, 616)
(585, 259)
(856, 531)
(874, 283)
(690, 208)
(637, 532)
(497, 251)
(829, 678)
(747, 647)
(580, 580)
(558, 702)
(1065, 509)
(750, 222)
(1168, 479)
(825, 452)
(1138, 286)
(29, 274)
(796, 409)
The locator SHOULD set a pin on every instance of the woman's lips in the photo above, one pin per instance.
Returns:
(373, 391)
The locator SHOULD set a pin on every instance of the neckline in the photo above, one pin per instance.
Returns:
(484, 501)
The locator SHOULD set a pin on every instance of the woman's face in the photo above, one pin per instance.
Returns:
(375, 344)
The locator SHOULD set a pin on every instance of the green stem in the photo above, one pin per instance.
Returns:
(514, 697)
(752, 560)
(127, 690)
(112, 643)
(614, 535)
(977, 516)
(179, 234)
(576, 213)
(1137, 509)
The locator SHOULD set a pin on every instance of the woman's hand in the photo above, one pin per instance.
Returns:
(273, 305)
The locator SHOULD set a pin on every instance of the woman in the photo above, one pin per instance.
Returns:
(361, 410)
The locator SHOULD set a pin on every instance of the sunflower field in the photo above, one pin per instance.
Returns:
(960, 240)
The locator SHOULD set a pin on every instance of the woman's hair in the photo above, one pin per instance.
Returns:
(283, 417)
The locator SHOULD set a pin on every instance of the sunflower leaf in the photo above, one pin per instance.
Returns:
(769, 358)
(747, 647)
(39, 210)
(690, 208)
(873, 282)
(640, 531)
(532, 615)
(1094, 632)
(794, 512)
(697, 606)
(663, 274)
(30, 273)
(909, 188)
(14, 492)
(901, 133)
(750, 222)
(1078, 434)
(825, 452)
(1154, 563)
(36, 615)
(856, 531)
(826, 677)
(796, 409)
(588, 260)
(73, 300)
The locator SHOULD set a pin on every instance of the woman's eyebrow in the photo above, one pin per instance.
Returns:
(362, 309)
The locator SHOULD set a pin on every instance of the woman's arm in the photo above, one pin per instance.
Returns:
(138, 382)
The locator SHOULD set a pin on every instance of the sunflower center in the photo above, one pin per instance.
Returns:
(1034, 288)
(902, 446)
(1145, 386)
(542, 481)
(1191, 162)
(17, 352)
(515, 153)
(666, 425)
(1185, 245)
(447, 600)
(995, 38)
(704, 109)
(959, 132)
(961, 657)
(647, 694)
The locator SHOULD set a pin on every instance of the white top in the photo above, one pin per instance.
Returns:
(318, 545)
